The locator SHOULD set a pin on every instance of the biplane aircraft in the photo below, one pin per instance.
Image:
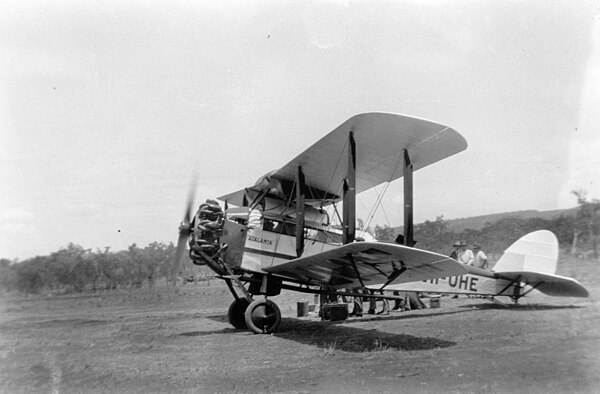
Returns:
(277, 234)
(528, 265)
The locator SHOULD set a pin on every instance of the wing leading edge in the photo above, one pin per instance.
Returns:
(364, 263)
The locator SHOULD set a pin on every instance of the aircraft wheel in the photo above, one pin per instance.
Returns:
(236, 311)
(263, 316)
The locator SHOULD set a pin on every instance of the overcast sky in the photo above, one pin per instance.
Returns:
(107, 109)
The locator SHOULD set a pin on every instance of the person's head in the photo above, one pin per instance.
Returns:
(456, 244)
(463, 245)
(476, 247)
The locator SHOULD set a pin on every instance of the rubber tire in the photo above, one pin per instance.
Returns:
(236, 313)
(263, 316)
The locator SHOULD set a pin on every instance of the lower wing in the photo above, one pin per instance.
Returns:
(365, 263)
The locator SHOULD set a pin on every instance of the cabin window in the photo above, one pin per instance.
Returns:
(289, 228)
(276, 226)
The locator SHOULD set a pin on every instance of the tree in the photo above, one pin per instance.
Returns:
(135, 263)
(434, 235)
(8, 275)
(105, 264)
(385, 233)
(361, 227)
(501, 234)
(73, 268)
(562, 227)
(583, 228)
(85, 272)
(29, 278)
(65, 267)
(156, 261)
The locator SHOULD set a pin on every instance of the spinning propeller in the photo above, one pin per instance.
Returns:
(184, 232)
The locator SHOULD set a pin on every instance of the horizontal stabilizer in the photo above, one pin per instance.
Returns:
(552, 285)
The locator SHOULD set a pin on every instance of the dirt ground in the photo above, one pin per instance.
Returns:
(178, 340)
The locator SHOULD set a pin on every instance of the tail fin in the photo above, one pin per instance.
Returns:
(535, 252)
(532, 260)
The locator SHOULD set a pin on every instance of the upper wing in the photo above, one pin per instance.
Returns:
(364, 263)
(380, 139)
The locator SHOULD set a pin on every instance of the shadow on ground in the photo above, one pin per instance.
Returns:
(205, 333)
(520, 308)
(340, 336)
(400, 316)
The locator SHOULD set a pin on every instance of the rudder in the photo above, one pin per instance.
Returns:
(534, 252)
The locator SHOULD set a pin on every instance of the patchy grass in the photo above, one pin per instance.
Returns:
(165, 340)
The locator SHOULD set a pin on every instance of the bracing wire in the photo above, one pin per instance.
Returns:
(340, 187)
(337, 164)
(387, 220)
(380, 195)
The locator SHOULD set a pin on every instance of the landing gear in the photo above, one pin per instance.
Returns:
(236, 313)
(263, 316)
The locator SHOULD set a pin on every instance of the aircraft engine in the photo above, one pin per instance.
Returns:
(207, 230)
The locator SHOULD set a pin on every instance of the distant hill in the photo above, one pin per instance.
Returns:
(477, 222)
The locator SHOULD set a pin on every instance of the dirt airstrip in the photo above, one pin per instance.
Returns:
(178, 340)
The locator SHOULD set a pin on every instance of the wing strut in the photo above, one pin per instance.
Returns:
(300, 212)
(356, 271)
(533, 287)
(408, 200)
(395, 274)
(515, 282)
(349, 214)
